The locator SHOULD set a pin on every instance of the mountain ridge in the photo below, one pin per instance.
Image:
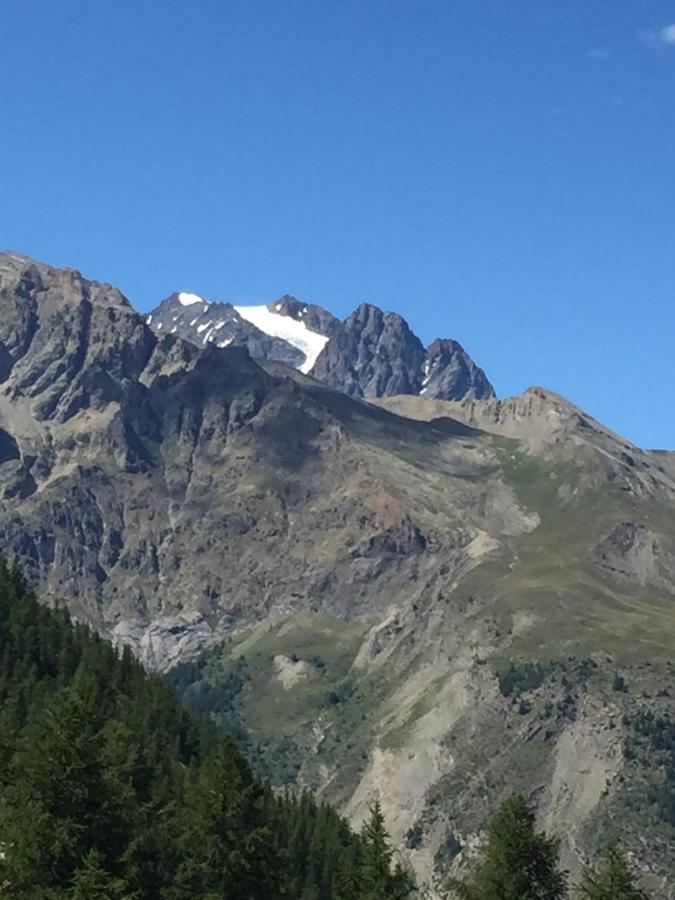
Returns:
(371, 353)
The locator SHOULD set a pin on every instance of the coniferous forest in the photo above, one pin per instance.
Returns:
(111, 790)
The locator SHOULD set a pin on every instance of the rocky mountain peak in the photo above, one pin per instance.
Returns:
(25, 277)
(376, 354)
(372, 353)
(288, 305)
(65, 341)
(314, 318)
(178, 495)
(204, 322)
(450, 373)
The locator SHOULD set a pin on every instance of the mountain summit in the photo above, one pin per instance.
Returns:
(370, 354)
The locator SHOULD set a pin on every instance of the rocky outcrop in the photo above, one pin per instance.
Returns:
(316, 318)
(638, 554)
(451, 374)
(373, 354)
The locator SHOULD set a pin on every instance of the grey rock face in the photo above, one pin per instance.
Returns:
(315, 317)
(67, 343)
(451, 374)
(174, 495)
(373, 354)
(175, 492)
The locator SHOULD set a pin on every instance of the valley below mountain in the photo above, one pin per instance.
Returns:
(386, 582)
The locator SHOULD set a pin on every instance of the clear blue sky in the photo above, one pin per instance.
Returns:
(499, 172)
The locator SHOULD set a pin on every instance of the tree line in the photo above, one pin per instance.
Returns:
(111, 790)
(521, 863)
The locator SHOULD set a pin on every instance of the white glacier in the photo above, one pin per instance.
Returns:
(311, 343)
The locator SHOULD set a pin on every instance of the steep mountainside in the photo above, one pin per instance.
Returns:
(545, 668)
(433, 603)
(176, 493)
(371, 354)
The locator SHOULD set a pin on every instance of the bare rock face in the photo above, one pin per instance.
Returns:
(451, 374)
(67, 343)
(638, 555)
(316, 318)
(180, 492)
(167, 492)
(373, 354)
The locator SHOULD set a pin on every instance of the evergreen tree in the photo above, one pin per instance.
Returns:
(347, 878)
(378, 882)
(612, 881)
(91, 881)
(59, 804)
(227, 844)
(519, 864)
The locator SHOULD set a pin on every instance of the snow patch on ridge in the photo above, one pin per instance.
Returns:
(187, 299)
(311, 343)
(426, 372)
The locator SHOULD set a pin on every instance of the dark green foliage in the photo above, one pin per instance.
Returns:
(376, 862)
(222, 702)
(519, 863)
(414, 837)
(221, 699)
(657, 735)
(225, 837)
(91, 881)
(520, 677)
(110, 789)
(342, 693)
(612, 881)
(619, 683)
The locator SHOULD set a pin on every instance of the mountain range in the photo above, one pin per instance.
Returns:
(371, 353)
(347, 550)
